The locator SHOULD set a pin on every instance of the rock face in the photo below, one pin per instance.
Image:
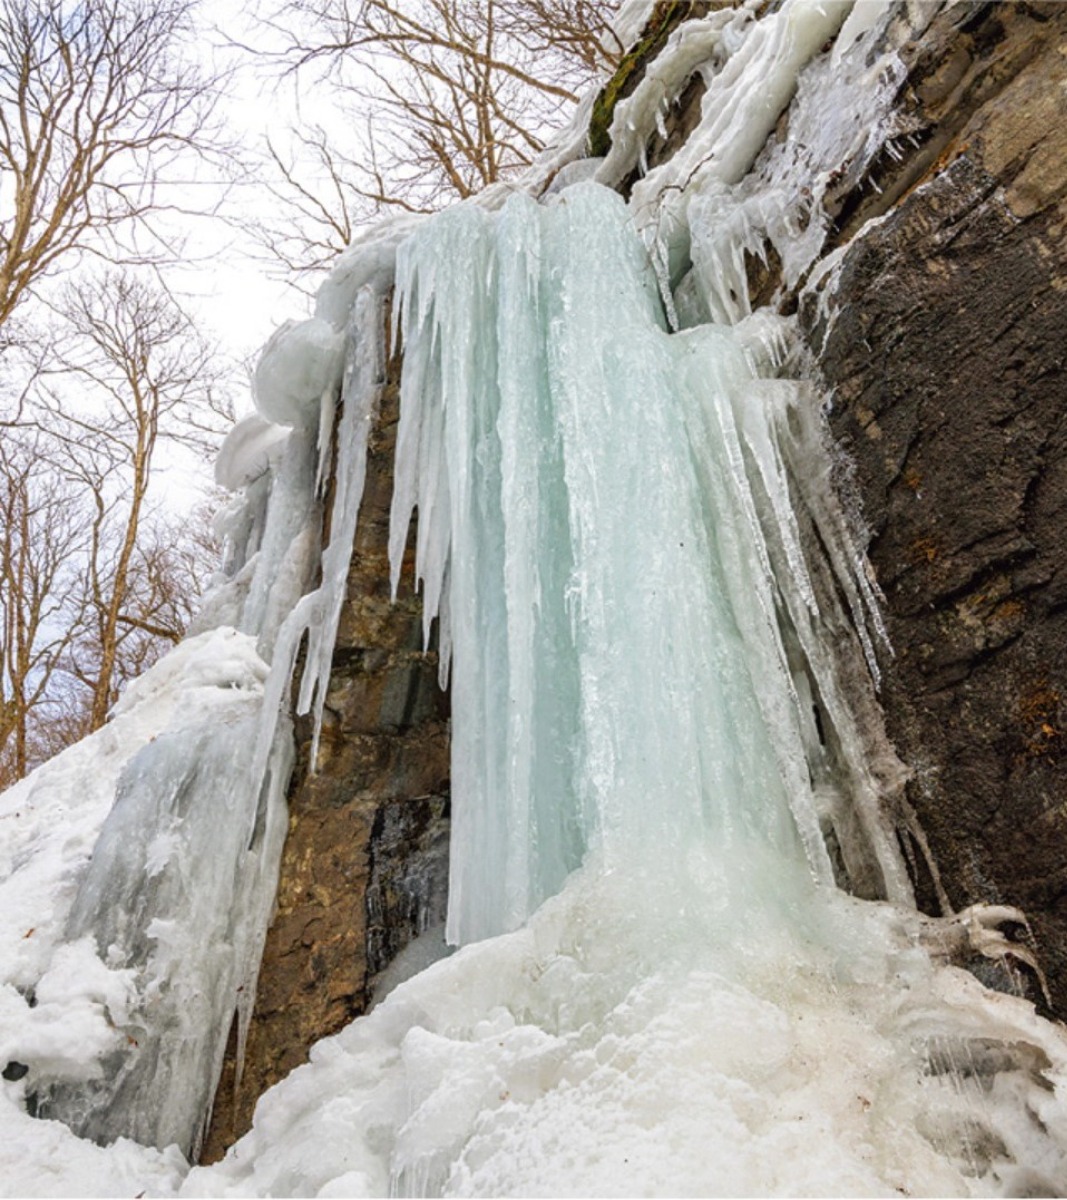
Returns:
(365, 865)
(946, 360)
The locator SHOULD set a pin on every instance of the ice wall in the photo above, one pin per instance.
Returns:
(695, 1008)
(586, 517)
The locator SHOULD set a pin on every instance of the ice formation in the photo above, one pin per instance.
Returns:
(537, 457)
(687, 1004)
(120, 827)
(617, 484)
(165, 884)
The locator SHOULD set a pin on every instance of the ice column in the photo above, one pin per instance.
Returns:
(587, 522)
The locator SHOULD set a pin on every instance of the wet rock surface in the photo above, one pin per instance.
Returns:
(944, 338)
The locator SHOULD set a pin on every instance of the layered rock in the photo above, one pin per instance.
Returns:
(365, 864)
(945, 354)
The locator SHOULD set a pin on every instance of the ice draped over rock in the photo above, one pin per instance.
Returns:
(571, 486)
(687, 1004)
(172, 883)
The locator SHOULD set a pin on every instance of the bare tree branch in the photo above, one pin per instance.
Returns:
(460, 95)
(150, 378)
(97, 106)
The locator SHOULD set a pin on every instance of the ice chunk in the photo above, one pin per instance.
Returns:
(300, 363)
(247, 453)
(189, 931)
(76, 894)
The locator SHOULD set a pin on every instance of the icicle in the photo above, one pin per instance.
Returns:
(288, 551)
(363, 380)
(657, 255)
(274, 705)
(692, 45)
(521, 410)
(316, 614)
(327, 411)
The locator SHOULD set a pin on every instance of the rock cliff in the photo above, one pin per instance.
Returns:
(946, 364)
(365, 864)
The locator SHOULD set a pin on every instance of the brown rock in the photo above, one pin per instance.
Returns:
(365, 863)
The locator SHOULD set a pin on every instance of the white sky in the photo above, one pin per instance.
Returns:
(237, 299)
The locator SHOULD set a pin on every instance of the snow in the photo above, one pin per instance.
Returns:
(662, 1030)
(248, 451)
(368, 262)
(301, 362)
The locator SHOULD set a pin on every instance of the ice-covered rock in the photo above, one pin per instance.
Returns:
(300, 364)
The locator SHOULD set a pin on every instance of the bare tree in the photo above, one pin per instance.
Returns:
(98, 103)
(147, 377)
(102, 104)
(49, 627)
(452, 96)
(43, 532)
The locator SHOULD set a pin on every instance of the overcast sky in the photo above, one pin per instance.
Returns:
(237, 295)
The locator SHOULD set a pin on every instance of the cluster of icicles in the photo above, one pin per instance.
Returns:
(610, 538)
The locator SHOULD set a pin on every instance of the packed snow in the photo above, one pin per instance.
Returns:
(67, 1015)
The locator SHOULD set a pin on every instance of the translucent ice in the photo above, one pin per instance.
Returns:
(568, 489)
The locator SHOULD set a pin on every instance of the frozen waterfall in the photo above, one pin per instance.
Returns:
(686, 1004)
(597, 510)
(690, 961)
